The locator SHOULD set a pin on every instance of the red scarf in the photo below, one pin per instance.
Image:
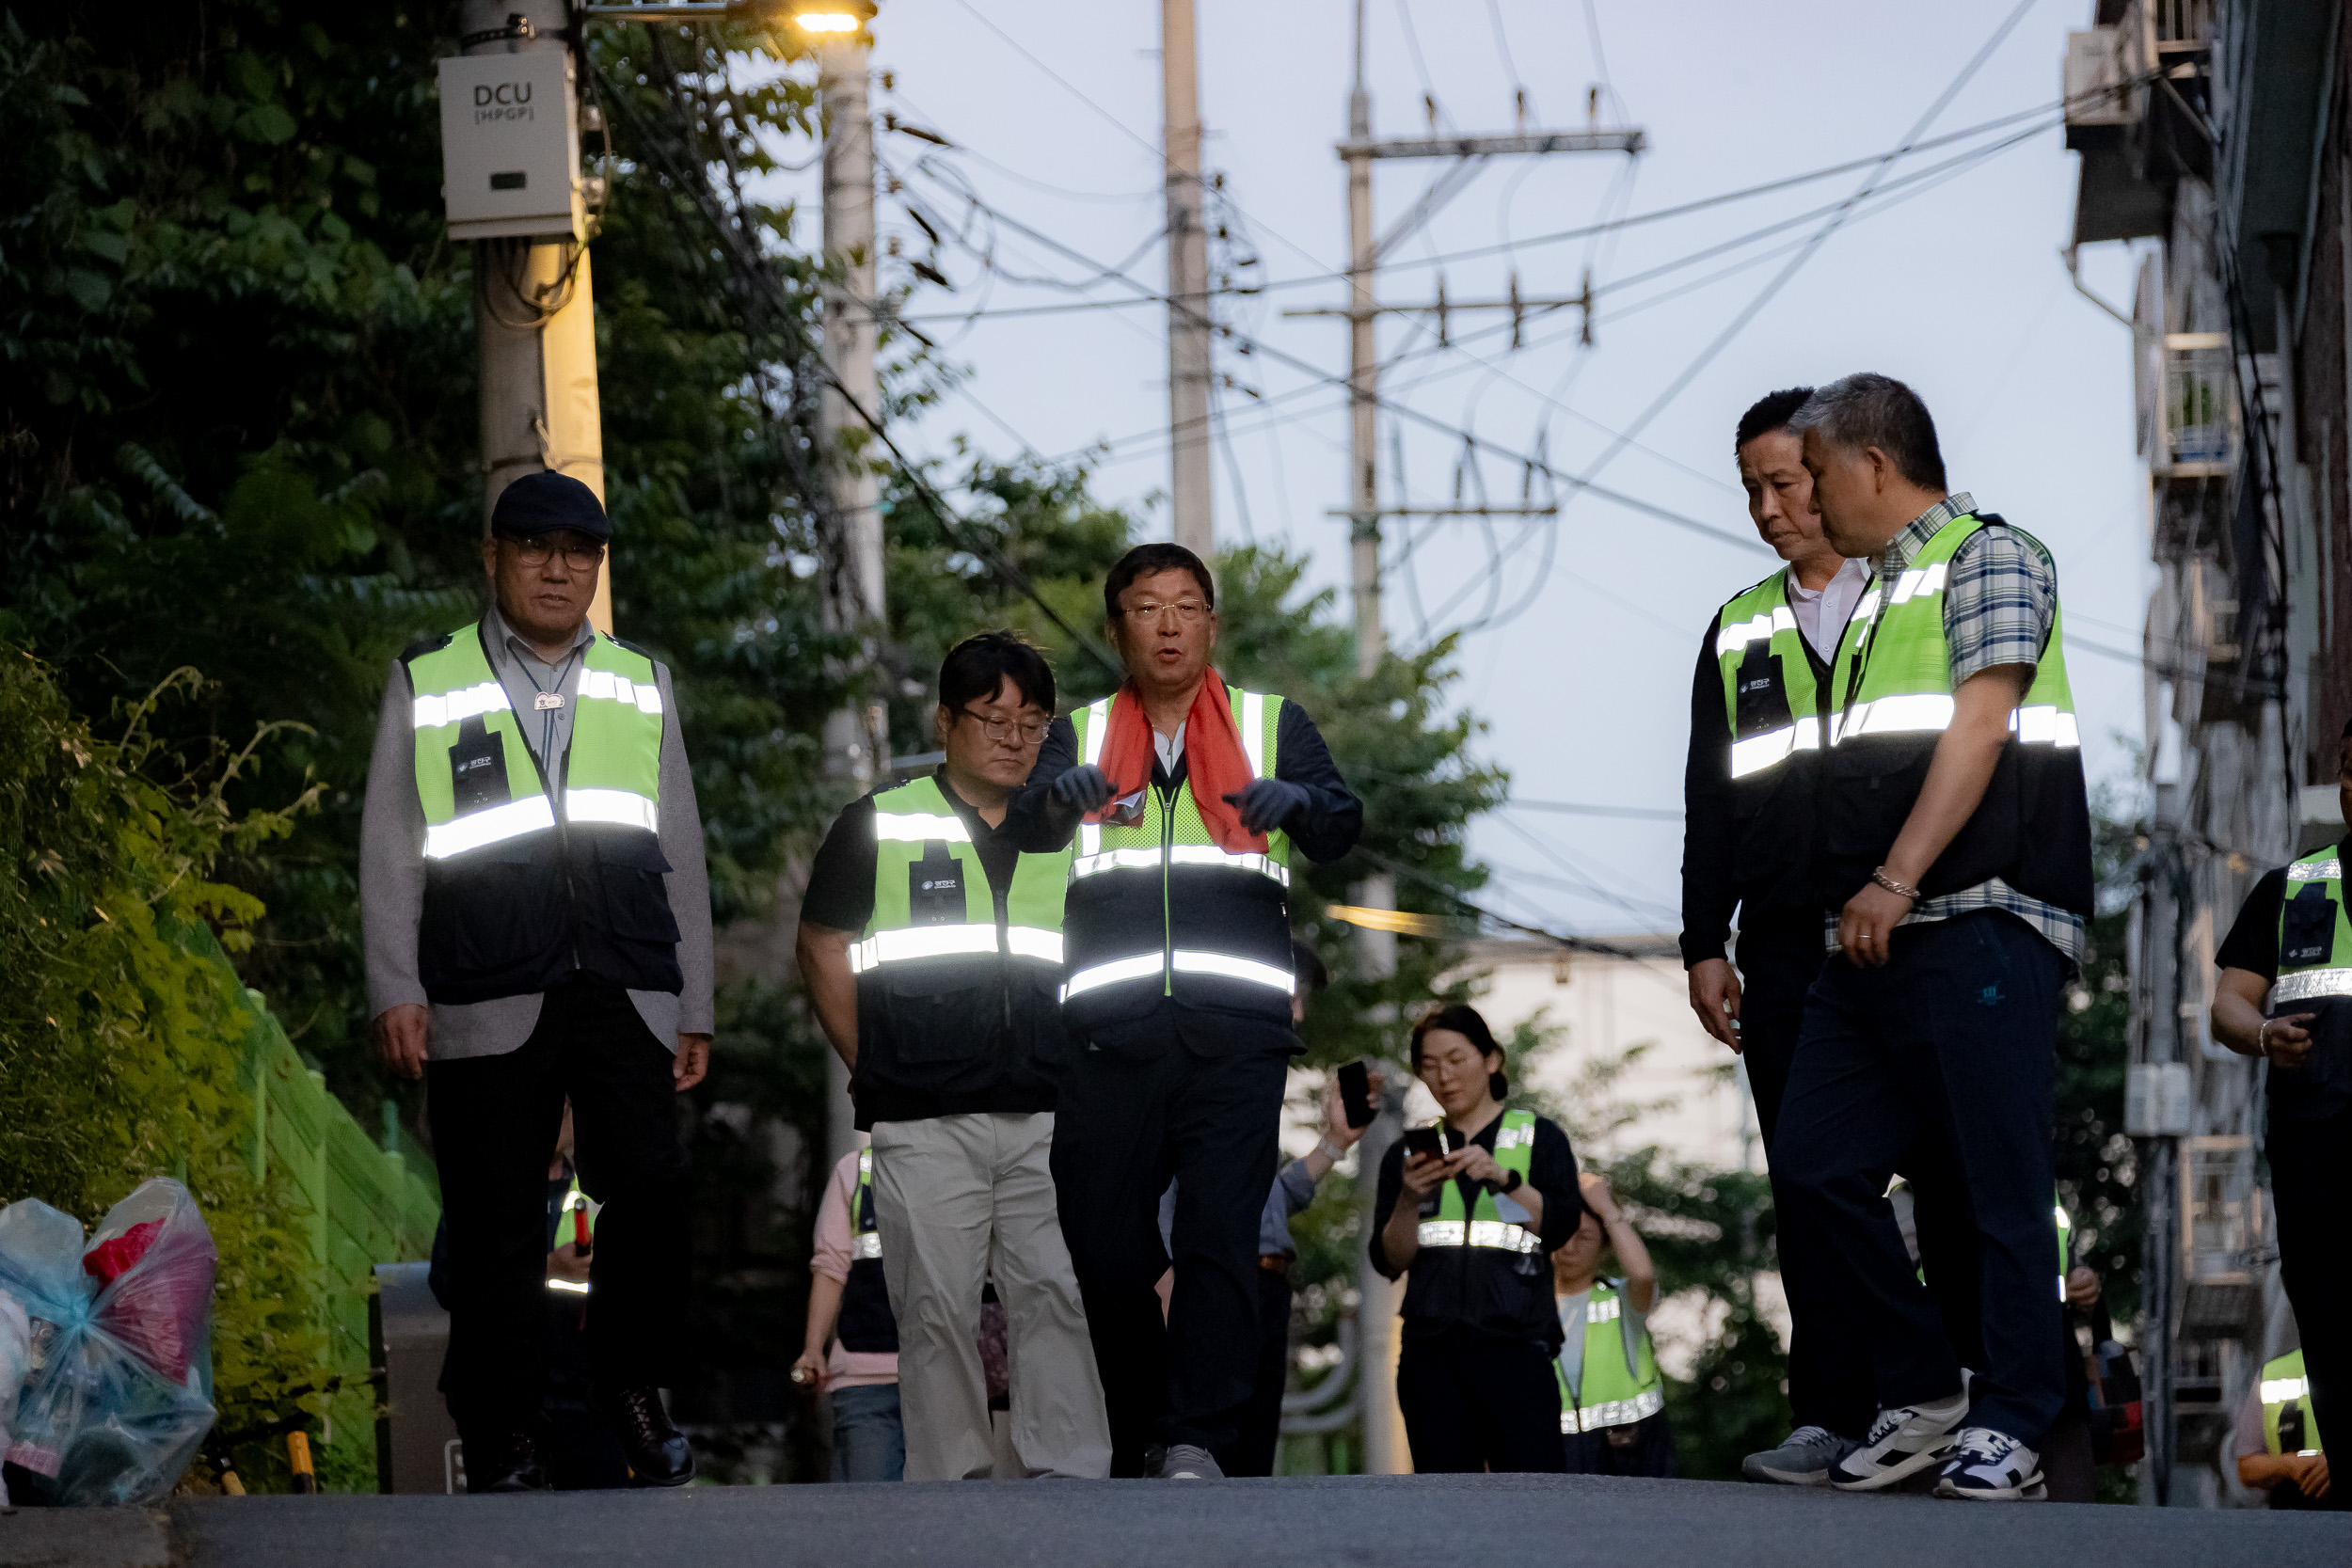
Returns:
(1215, 766)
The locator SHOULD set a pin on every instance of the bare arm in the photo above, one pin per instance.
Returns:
(1965, 755)
(824, 1310)
(824, 959)
(2239, 1001)
(1640, 1275)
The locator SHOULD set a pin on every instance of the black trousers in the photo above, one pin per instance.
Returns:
(1260, 1424)
(1950, 1046)
(1779, 956)
(1124, 1128)
(2310, 1179)
(494, 1125)
(1472, 1402)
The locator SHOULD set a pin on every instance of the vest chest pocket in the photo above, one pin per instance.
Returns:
(1761, 694)
(2306, 934)
(935, 886)
(477, 767)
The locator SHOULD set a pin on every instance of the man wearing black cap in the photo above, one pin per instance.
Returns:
(537, 923)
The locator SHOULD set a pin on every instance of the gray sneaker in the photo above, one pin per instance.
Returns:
(1803, 1460)
(1185, 1461)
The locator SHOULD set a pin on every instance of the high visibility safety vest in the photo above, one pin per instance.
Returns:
(1483, 1225)
(958, 999)
(476, 777)
(865, 1323)
(1618, 1384)
(2314, 939)
(567, 1232)
(931, 896)
(2288, 1424)
(1157, 908)
(2314, 976)
(525, 884)
(1772, 698)
(1891, 701)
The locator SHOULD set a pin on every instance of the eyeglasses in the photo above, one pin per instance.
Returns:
(1008, 732)
(581, 555)
(1187, 610)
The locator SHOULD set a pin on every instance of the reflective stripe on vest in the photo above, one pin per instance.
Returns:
(2314, 934)
(1619, 1377)
(1773, 683)
(1905, 685)
(493, 792)
(2285, 1387)
(1483, 1226)
(1184, 961)
(915, 826)
(2066, 1246)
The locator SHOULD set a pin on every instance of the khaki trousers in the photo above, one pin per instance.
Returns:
(957, 1197)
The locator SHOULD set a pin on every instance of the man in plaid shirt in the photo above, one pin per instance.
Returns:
(1958, 858)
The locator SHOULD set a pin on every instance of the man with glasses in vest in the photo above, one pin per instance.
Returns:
(537, 923)
(931, 946)
(1183, 798)
(1956, 845)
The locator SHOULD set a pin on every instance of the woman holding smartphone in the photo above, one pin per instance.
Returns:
(1469, 1213)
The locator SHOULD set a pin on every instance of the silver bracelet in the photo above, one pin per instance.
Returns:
(1325, 1148)
(1901, 890)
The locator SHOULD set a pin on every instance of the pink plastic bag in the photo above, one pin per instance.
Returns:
(119, 1394)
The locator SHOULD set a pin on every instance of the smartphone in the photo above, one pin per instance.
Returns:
(1355, 1094)
(1426, 1143)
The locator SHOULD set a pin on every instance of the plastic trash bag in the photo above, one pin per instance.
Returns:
(16, 1359)
(119, 1394)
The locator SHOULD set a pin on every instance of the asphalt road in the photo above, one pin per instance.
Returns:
(1359, 1522)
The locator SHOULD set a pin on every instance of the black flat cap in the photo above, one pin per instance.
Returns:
(546, 501)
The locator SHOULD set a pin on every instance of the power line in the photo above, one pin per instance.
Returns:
(1259, 347)
(1739, 322)
(1578, 808)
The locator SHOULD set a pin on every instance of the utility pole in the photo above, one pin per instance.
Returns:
(534, 314)
(1385, 1449)
(857, 736)
(1188, 367)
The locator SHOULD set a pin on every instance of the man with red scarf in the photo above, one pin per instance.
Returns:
(1186, 798)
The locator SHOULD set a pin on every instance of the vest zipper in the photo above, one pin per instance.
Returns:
(1167, 925)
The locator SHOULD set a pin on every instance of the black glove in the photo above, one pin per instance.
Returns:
(1265, 804)
(1083, 789)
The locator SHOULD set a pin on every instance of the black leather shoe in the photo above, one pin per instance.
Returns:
(659, 1454)
(503, 1462)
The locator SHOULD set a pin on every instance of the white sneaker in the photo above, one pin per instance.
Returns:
(1992, 1466)
(1902, 1442)
(1802, 1459)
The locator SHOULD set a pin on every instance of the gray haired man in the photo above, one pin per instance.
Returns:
(1957, 852)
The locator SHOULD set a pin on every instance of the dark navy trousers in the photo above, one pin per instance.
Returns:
(1945, 1051)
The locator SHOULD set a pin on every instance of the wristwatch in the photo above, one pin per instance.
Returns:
(1512, 1181)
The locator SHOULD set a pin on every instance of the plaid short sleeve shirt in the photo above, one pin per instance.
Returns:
(2000, 602)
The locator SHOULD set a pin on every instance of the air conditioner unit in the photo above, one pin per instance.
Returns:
(510, 146)
(2099, 108)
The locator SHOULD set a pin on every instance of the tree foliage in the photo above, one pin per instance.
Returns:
(121, 1032)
